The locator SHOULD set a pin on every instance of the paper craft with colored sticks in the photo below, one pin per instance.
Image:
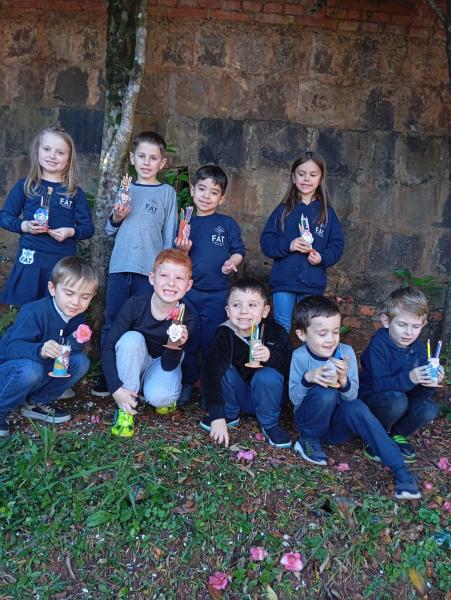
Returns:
(123, 196)
(41, 215)
(61, 364)
(175, 330)
(184, 227)
(254, 341)
(434, 361)
(304, 230)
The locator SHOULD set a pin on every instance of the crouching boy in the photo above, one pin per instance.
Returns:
(323, 389)
(135, 355)
(231, 387)
(30, 345)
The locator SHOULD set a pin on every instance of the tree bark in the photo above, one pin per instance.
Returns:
(446, 22)
(125, 62)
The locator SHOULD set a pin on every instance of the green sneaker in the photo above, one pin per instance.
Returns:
(123, 424)
(408, 453)
(166, 410)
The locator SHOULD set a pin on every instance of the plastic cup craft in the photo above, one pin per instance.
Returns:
(305, 233)
(185, 227)
(175, 330)
(41, 216)
(123, 196)
(61, 364)
(254, 342)
(434, 362)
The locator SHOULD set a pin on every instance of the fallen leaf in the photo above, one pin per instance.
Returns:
(270, 593)
(417, 580)
(186, 508)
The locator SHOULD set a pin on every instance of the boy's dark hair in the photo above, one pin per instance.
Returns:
(410, 299)
(248, 284)
(211, 172)
(151, 138)
(311, 307)
(73, 269)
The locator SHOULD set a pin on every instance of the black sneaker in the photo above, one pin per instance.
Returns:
(406, 487)
(369, 453)
(67, 394)
(44, 412)
(185, 395)
(311, 451)
(277, 436)
(408, 453)
(100, 389)
(205, 424)
(4, 427)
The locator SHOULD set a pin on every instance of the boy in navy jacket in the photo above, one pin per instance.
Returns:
(216, 251)
(30, 345)
(395, 381)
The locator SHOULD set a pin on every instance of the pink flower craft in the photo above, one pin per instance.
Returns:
(443, 464)
(247, 455)
(342, 467)
(173, 314)
(82, 334)
(219, 580)
(292, 561)
(258, 553)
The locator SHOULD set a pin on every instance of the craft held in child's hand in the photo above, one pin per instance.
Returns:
(254, 341)
(175, 330)
(123, 196)
(61, 364)
(41, 216)
(304, 230)
(331, 374)
(185, 227)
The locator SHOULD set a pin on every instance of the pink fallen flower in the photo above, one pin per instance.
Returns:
(258, 553)
(292, 561)
(83, 334)
(260, 437)
(427, 485)
(247, 455)
(446, 506)
(95, 419)
(219, 580)
(342, 467)
(432, 505)
(443, 464)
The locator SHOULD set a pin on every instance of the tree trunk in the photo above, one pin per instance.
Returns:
(125, 62)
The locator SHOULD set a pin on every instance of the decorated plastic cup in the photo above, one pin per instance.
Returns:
(253, 343)
(434, 364)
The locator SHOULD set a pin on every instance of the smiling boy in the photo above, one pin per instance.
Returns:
(231, 387)
(325, 413)
(395, 381)
(216, 251)
(134, 355)
(30, 345)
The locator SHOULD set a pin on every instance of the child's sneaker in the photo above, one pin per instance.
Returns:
(185, 395)
(311, 451)
(408, 453)
(4, 427)
(406, 487)
(205, 424)
(123, 424)
(100, 389)
(166, 410)
(369, 453)
(46, 413)
(67, 394)
(277, 436)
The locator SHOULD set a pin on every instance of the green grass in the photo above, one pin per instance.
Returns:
(96, 517)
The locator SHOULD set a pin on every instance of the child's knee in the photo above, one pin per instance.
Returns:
(427, 410)
(79, 363)
(322, 396)
(30, 373)
(130, 340)
(268, 378)
(397, 407)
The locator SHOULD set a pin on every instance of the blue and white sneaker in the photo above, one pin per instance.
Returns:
(311, 451)
(277, 436)
(205, 424)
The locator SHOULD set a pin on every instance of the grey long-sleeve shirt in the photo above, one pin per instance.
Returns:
(303, 360)
(150, 227)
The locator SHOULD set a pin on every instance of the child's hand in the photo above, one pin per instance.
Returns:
(120, 211)
(420, 375)
(62, 233)
(342, 366)
(183, 244)
(229, 267)
(314, 258)
(318, 376)
(300, 245)
(219, 432)
(440, 378)
(50, 349)
(33, 227)
(261, 353)
(185, 335)
(126, 400)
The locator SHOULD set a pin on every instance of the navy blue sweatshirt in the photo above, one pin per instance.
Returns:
(37, 323)
(230, 349)
(291, 271)
(386, 366)
(65, 211)
(215, 238)
(136, 315)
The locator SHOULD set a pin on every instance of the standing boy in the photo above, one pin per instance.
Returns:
(324, 395)
(134, 355)
(216, 250)
(395, 382)
(231, 387)
(141, 230)
(30, 345)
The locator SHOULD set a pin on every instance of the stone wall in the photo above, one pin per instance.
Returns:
(248, 84)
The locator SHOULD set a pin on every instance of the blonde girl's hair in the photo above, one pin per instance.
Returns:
(292, 196)
(35, 175)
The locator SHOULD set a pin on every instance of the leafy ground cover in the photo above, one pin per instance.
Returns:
(85, 515)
